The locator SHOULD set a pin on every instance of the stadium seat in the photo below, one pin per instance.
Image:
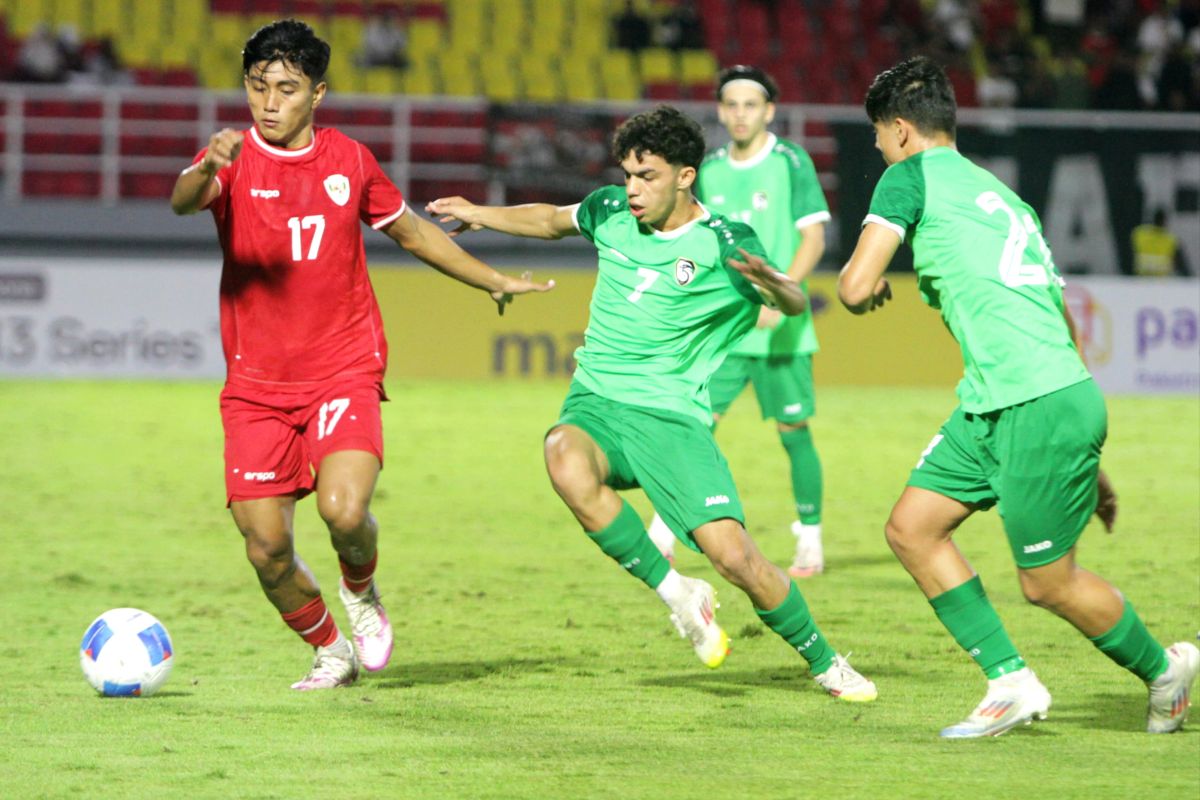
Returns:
(658, 65)
(697, 67)
(541, 77)
(500, 81)
(621, 81)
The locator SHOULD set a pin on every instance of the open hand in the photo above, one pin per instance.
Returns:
(514, 286)
(455, 209)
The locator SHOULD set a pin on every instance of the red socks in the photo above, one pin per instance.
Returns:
(313, 622)
(357, 577)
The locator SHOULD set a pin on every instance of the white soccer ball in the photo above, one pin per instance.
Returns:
(126, 653)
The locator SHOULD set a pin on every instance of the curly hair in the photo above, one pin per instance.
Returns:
(665, 132)
(289, 41)
(917, 90)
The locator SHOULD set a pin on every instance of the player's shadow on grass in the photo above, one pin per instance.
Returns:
(438, 673)
(1124, 711)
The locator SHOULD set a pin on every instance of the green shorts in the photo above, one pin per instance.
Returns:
(782, 384)
(673, 457)
(1037, 461)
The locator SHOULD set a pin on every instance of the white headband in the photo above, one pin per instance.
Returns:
(747, 82)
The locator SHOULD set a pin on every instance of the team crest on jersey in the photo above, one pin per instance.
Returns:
(685, 270)
(759, 201)
(338, 188)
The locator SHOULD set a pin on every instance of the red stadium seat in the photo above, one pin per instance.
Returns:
(422, 191)
(147, 186)
(61, 184)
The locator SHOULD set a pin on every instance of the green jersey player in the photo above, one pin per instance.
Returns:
(1027, 434)
(771, 185)
(677, 286)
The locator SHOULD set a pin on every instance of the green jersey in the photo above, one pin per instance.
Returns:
(776, 192)
(666, 308)
(981, 260)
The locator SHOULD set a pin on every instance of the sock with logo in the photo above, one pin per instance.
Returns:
(313, 622)
(807, 484)
(968, 614)
(795, 625)
(358, 577)
(626, 542)
(1129, 644)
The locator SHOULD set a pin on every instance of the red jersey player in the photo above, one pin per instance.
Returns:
(303, 338)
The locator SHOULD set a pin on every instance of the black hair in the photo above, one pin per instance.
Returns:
(917, 90)
(743, 72)
(289, 41)
(665, 132)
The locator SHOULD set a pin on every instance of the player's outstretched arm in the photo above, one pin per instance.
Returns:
(534, 220)
(861, 285)
(783, 292)
(195, 188)
(430, 243)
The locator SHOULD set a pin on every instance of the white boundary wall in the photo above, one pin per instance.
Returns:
(111, 318)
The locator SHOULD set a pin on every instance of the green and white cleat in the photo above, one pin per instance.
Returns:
(1170, 693)
(1014, 699)
(695, 619)
(845, 683)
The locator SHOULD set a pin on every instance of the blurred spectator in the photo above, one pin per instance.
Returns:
(680, 28)
(953, 18)
(995, 89)
(40, 59)
(1177, 89)
(71, 47)
(1038, 88)
(631, 30)
(1155, 248)
(1158, 34)
(1119, 91)
(1072, 90)
(384, 42)
(101, 66)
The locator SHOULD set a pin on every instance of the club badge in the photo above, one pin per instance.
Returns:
(338, 188)
(685, 270)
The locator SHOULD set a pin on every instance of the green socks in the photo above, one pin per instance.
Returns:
(1131, 645)
(792, 621)
(968, 615)
(626, 542)
(806, 473)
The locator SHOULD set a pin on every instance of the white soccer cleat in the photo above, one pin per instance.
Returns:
(844, 682)
(333, 666)
(663, 538)
(1170, 693)
(694, 616)
(369, 626)
(1014, 699)
(810, 558)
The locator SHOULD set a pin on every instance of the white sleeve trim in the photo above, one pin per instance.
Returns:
(390, 219)
(575, 216)
(887, 223)
(767, 301)
(813, 219)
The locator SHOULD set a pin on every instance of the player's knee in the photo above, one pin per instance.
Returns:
(342, 514)
(898, 534)
(568, 466)
(271, 556)
(1041, 592)
(731, 554)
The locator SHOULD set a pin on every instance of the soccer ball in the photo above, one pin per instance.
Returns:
(126, 653)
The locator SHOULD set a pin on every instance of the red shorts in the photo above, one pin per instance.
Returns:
(275, 441)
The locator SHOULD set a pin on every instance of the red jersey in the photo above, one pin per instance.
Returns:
(296, 303)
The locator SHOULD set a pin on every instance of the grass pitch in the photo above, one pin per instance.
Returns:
(527, 664)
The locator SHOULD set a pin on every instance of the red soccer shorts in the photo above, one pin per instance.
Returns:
(275, 441)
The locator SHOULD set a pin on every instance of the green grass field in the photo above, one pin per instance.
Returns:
(527, 664)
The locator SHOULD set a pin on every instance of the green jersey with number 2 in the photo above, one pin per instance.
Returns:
(666, 308)
(981, 260)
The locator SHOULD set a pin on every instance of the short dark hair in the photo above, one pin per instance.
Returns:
(744, 72)
(289, 41)
(917, 90)
(665, 132)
